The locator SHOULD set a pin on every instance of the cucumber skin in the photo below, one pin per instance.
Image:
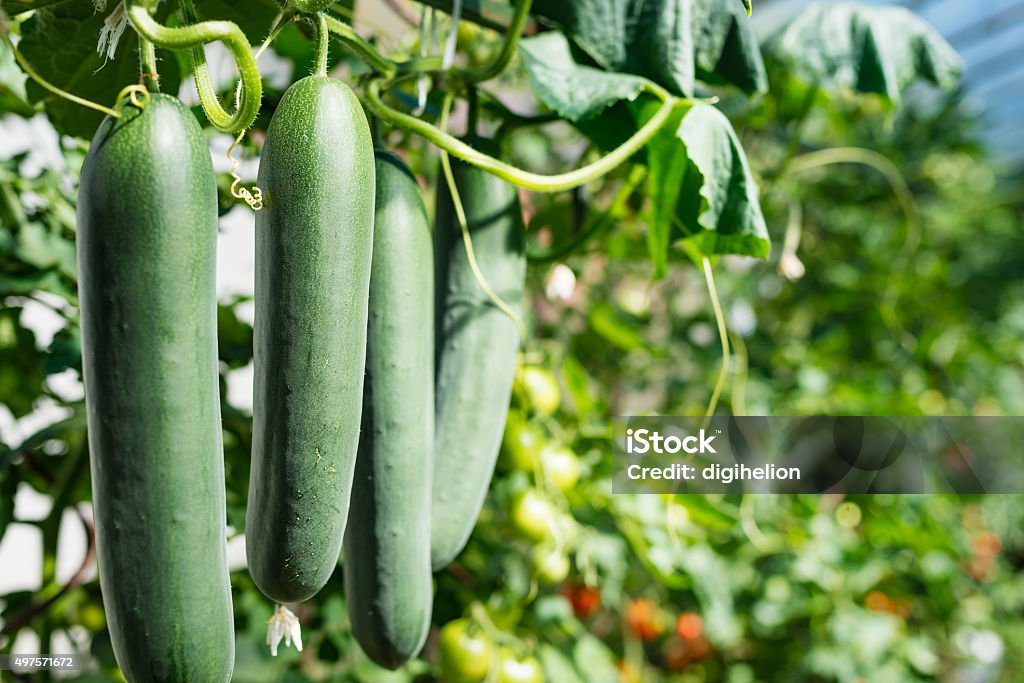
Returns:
(313, 245)
(386, 556)
(476, 347)
(147, 236)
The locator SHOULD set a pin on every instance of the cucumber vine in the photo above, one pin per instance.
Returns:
(195, 34)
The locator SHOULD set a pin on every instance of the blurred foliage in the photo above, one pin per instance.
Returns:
(874, 317)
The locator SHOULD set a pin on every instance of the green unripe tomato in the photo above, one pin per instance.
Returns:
(512, 669)
(550, 566)
(521, 445)
(532, 516)
(308, 6)
(561, 466)
(537, 390)
(465, 653)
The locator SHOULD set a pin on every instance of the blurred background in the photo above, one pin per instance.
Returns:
(893, 288)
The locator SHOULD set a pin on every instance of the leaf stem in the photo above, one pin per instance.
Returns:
(192, 37)
(596, 225)
(460, 214)
(360, 46)
(723, 334)
(516, 176)
(901, 189)
(512, 35)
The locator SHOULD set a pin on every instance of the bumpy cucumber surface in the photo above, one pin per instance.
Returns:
(313, 244)
(476, 346)
(147, 236)
(387, 542)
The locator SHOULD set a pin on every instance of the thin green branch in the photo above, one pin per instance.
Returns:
(512, 35)
(531, 181)
(723, 334)
(192, 38)
(361, 47)
(460, 214)
(27, 68)
(596, 225)
(905, 198)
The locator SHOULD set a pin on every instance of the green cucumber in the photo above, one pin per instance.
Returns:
(387, 548)
(476, 346)
(313, 243)
(147, 238)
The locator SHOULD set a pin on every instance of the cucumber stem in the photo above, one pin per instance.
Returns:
(149, 76)
(531, 181)
(322, 47)
(192, 38)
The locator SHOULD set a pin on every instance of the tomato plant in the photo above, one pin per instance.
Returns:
(465, 653)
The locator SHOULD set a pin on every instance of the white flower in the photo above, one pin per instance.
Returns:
(791, 267)
(283, 626)
(560, 283)
(113, 26)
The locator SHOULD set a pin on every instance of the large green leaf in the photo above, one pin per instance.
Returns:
(17, 6)
(60, 43)
(672, 42)
(254, 17)
(575, 91)
(21, 364)
(871, 49)
(700, 181)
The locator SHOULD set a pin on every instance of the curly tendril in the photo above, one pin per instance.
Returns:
(254, 197)
(193, 37)
(137, 95)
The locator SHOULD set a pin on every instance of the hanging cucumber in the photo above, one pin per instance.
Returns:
(147, 236)
(476, 347)
(387, 547)
(313, 244)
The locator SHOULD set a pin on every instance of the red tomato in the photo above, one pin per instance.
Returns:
(689, 626)
(642, 620)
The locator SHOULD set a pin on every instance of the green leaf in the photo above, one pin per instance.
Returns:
(21, 364)
(557, 666)
(254, 18)
(699, 179)
(8, 487)
(60, 44)
(575, 91)
(673, 43)
(595, 660)
(869, 49)
(619, 332)
(12, 86)
(13, 7)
